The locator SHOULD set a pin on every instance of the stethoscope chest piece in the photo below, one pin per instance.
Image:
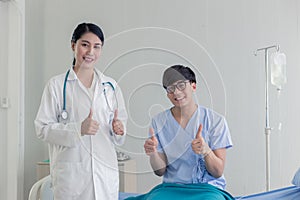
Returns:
(64, 115)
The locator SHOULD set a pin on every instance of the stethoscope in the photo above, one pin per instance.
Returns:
(65, 115)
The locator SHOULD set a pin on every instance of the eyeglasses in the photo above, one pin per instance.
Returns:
(180, 86)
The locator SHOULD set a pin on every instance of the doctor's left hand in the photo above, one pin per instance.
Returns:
(89, 126)
(117, 125)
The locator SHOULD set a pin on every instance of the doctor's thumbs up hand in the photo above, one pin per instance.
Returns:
(151, 143)
(199, 146)
(89, 126)
(117, 125)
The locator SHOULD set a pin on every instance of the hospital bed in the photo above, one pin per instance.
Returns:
(286, 193)
(41, 191)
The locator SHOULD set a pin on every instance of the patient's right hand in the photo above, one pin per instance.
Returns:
(150, 145)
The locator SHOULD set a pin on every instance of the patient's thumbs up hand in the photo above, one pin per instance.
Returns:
(153, 137)
(89, 126)
(151, 143)
(199, 145)
(198, 136)
(117, 125)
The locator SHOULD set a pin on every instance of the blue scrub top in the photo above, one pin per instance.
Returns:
(184, 166)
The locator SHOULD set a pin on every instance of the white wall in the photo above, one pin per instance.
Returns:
(3, 92)
(35, 150)
(216, 38)
(11, 98)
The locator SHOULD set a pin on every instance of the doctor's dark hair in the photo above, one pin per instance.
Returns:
(83, 28)
(176, 73)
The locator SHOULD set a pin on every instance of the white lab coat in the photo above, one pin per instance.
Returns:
(81, 167)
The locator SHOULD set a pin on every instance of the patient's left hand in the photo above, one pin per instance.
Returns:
(199, 146)
(117, 125)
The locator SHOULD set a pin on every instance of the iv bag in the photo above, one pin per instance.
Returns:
(278, 69)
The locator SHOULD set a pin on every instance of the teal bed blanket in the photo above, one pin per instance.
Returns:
(184, 191)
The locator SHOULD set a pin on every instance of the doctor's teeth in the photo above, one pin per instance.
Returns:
(88, 59)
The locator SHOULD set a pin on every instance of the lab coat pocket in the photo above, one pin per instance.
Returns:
(69, 179)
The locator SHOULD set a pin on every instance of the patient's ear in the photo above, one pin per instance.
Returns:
(194, 86)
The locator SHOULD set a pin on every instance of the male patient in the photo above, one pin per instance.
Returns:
(188, 142)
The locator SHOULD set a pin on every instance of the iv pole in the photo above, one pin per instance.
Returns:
(267, 128)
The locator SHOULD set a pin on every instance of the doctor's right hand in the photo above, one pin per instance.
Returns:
(89, 126)
(150, 145)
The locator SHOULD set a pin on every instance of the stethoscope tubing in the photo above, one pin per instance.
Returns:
(64, 91)
(64, 113)
(104, 90)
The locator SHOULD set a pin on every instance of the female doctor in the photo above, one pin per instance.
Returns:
(82, 116)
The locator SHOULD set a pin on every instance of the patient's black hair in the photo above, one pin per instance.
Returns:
(176, 73)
